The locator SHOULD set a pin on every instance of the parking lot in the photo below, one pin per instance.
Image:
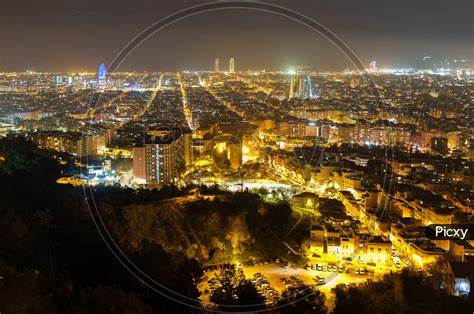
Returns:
(275, 273)
(272, 277)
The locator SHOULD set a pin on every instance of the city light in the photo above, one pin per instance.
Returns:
(225, 180)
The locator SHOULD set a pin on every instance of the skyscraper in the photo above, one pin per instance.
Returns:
(159, 161)
(373, 66)
(231, 65)
(216, 65)
(102, 76)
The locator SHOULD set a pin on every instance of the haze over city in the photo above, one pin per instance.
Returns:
(64, 36)
(236, 160)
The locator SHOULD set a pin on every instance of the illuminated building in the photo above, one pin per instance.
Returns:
(439, 144)
(139, 164)
(102, 76)
(301, 87)
(306, 200)
(311, 129)
(347, 179)
(234, 151)
(231, 65)
(188, 143)
(316, 247)
(74, 143)
(460, 277)
(216, 65)
(376, 250)
(293, 128)
(373, 66)
(266, 124)
(159, 161)
(408, 238)
(58, 80)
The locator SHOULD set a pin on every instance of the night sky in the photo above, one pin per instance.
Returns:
(75, 35)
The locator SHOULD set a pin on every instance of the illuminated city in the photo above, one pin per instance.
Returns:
(292, 189)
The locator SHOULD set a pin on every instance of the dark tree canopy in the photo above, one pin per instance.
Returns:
(234, 289)
(302, 299)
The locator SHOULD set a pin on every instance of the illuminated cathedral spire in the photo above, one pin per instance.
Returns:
(301, 85)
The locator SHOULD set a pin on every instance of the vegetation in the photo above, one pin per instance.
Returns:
(406, 292)
(52, 260)
(234, 291)
(302, 299)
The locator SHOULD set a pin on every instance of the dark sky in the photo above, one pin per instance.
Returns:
(74, 35)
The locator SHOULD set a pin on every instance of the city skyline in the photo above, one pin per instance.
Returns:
(285, 157)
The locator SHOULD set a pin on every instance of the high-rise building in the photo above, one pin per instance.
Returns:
(373, 66)
(159, 161)
(58, 80)
(102, 76)
(188, 143)
(216, 65)
(231, 65)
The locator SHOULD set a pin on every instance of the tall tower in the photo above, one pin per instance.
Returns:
(373, 66)
(216, 65)
(159, 161)
(231, 65)
(102, 76)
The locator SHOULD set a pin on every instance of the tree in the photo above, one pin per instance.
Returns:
(233, 289)
(349, 300)
(302, 299)
(405, 292)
